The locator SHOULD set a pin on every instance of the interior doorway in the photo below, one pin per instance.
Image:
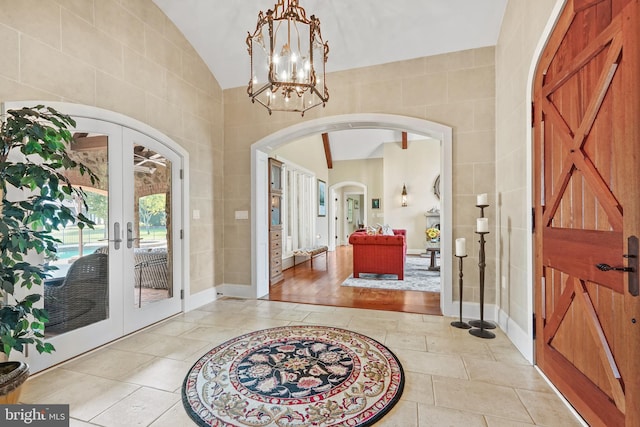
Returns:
(353, 215)
(260, 150)
(339, 226)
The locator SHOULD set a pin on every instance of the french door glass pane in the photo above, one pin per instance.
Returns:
(150, 234)
(77, 292)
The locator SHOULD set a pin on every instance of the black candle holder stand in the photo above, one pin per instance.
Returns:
(481, 326)
(460, 324)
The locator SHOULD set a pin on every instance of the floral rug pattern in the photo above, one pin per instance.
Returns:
(294, 376)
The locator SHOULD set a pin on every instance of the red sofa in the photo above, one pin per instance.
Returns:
(379, 253)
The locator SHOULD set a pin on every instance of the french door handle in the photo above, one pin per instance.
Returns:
(130, 237)
(117, 240)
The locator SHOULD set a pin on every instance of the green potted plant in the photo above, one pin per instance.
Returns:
(33, 159)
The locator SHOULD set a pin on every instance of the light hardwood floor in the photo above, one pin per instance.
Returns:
(322, 285)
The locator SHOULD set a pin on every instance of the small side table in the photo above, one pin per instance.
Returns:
(432, 252)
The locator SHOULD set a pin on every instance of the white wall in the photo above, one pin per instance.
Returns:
(306, 152)
(416, 167)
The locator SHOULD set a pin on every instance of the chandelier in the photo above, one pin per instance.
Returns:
(288, 59)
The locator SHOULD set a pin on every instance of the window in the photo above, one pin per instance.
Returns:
(299, 205)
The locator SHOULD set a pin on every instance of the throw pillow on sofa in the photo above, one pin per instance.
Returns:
(387, 230)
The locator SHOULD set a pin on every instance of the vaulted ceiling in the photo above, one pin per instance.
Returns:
(359, 33)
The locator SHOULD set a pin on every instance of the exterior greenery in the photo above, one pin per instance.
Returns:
(33, 159)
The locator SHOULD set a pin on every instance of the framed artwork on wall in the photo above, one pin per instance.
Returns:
(322, 198)
(375, 203)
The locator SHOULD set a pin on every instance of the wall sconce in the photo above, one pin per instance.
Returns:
(404, 196)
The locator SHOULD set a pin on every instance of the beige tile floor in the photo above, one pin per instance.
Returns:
(452, 378)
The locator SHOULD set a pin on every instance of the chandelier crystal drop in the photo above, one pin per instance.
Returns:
(288, 58)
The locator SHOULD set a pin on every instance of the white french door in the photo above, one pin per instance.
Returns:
(124, 274)
(151, 251)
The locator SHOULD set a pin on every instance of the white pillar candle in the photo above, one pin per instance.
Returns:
(482, 225)
(482, 200)
(461, 247)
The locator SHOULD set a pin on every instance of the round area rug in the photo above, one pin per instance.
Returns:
(294, 376)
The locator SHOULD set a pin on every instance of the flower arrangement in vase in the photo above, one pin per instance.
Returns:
(433, 234)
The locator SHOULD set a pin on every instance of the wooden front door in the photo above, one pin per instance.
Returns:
(587, 209)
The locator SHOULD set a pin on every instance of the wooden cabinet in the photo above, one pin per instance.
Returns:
(275, 221)
(275, 256)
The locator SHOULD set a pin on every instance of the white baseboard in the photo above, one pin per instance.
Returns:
(518, 336)
(210, 295)
(201, 298)
(225, 290)
(470, 310)
(236, 291)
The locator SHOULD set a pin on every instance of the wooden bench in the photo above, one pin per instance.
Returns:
(310, 252)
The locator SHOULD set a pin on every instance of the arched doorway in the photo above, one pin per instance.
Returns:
(336, 223)
(259, 154)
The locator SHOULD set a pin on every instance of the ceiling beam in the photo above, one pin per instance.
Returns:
(82, 142)
(404, 140)
(327, 150)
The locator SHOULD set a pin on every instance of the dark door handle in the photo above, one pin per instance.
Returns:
(607, 267)
(632, 257)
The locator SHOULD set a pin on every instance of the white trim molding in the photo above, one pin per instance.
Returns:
(261, 149)
(528, 349)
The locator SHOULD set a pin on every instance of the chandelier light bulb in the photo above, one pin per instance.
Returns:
(286, 50)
